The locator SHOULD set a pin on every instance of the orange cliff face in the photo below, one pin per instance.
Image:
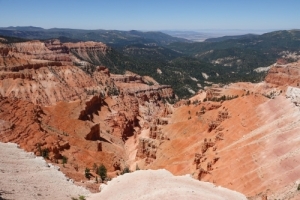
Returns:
(284, 75)
(55, 109)
(248, 143)
(44, 74)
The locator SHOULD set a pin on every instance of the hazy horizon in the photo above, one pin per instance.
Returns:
(179, 30)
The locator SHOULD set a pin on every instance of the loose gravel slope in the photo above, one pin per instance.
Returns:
(25, 176)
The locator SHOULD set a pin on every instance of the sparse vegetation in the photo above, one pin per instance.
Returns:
(81, 197)
(45, 153)
(64, 160)
(125, 170)
(223, 98)
(150, 83)
(102, 172)
(113, 91)
(87, 173)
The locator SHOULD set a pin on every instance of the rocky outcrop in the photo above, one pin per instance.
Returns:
(93, 106)
(127, 78)
(56, 148)
(48, 85)
(94, 134)
(44, 74)
(89, 52)
(222, 115)
(84, 46)
(147, 149)
(20, 120)
(213, 92)
(34, 66)
(156, 91)
(156, 133)
(284, 75)
(56, 46)
(293, 93)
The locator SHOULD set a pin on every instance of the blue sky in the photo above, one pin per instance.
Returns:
(152, 14)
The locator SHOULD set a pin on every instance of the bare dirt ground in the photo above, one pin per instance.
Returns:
(25, 176)
(161, 184)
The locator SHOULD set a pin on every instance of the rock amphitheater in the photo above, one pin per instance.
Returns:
(52, 108)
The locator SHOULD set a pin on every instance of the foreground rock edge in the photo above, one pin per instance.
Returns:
(25, 176)
(161, 184)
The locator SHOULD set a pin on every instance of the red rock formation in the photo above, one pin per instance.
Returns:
(55, 109)
(94, 134)
(283, 75)
(252, 146)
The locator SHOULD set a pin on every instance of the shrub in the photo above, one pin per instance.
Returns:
(102, 172)
(150, 83)
(87, 173)
(64, 160)
(81, 197)
(125, 170)
(45, 153)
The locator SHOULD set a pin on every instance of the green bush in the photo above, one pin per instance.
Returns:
(45, 153)
(87, 173)
(81, 197)
(125, 170)
(64, 160)
(102, 172)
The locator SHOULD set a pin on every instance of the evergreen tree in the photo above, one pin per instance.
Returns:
(102, 172)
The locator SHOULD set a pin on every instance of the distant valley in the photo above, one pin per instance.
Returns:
(187, 66)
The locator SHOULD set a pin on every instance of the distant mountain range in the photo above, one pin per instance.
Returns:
(203, 35)
(186, 66)
(223, 38)
(105, 36)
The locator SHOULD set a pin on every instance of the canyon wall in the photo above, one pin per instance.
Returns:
(58, 110)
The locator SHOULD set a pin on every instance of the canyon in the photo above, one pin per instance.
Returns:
(242, 136)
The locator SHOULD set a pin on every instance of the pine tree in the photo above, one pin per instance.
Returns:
(102, 172)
